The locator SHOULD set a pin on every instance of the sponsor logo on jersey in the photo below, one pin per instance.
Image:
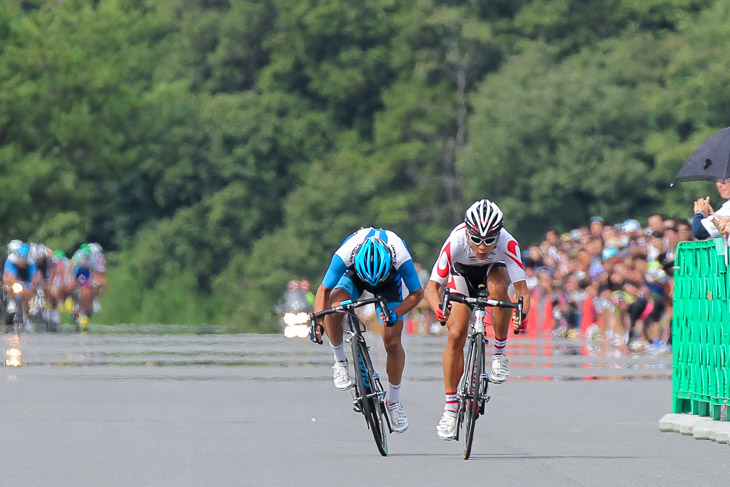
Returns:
(354, 252)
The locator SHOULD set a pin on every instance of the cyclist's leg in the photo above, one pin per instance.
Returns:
(28, 292)
(333, 327)
(498, 282)
(457, 325)
(333, 322)
(98, 284)
(394, 364)
(395, 354)
(57, 293)
(85, 298)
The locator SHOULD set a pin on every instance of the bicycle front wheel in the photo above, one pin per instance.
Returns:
(472, 388)
(370, 395)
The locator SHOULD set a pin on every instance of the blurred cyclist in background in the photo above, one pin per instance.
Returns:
(377, 261)
(98, 280)
(82, 276)
(41, 255)
(61, 283)
(19, 267)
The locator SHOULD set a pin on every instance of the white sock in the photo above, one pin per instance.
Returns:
(339, 352)
(499, 346)
(452, 401)
(393, 394)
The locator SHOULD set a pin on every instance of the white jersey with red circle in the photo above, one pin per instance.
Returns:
(456, 250)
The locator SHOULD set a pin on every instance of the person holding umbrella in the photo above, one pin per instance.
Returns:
(709, 162)
(707, 223)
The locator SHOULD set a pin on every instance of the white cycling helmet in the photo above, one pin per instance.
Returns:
(14, 245)
(38, 251)
(483, 218)
(95, 248)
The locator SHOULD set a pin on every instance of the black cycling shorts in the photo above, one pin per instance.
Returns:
(467, 278)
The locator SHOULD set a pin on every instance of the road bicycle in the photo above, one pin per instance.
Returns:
(368, 396)
(15, 313)
(474, 382)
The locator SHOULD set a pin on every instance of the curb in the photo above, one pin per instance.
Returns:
(701, 427)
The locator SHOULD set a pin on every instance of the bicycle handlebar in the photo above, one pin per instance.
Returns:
(343, 307)
(481, 302)
(478, 302)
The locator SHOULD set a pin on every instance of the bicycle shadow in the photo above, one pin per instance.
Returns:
(514, 456)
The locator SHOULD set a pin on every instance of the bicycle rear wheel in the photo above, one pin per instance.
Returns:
(472, 391)
(370, 395)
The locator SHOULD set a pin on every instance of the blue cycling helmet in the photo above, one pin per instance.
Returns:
(373, 261)
(23, 251)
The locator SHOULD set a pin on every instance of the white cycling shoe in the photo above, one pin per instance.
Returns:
(500, 369)
(398, 418)
(446, 429)
(341, 376)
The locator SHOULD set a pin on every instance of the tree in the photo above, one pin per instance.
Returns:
(554, 144)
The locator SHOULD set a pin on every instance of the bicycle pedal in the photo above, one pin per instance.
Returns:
(355, 401)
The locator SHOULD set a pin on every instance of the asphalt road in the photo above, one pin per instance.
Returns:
(108, 409)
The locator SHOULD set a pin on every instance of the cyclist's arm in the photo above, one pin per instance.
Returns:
(407, 272)
(433, 294)
(8, 279)
(521, 289)
(322, 298)
(334, 272)
(36, 276)
(99, 280)
(410, 302)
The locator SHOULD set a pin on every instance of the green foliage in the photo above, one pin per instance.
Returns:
(171, 300)
(557, 144)
(318, 218)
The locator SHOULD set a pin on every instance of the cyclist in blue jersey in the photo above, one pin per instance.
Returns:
(377, 261)
(19, 267)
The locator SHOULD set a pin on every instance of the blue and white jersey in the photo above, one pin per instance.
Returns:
(344, 258)
(22, 274)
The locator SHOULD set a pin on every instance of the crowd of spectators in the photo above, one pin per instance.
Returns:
(609, 281)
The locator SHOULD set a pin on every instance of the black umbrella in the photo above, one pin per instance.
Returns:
(710, 161)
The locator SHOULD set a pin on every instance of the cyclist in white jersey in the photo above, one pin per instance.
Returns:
(478, 251)
(378, 261)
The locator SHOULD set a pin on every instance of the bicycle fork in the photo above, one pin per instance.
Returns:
(357, 395)
(480, 395)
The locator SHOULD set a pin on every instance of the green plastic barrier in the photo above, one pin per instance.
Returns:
(701, 329)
